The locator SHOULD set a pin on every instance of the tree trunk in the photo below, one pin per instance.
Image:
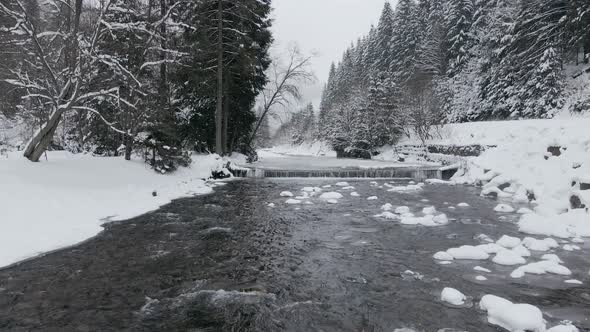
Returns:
(40, 142)
(128, 147)
(219, 110)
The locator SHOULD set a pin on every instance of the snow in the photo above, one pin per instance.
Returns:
(508, 257)
(563, 328)
(542, 267)
(573, 224)
(453, 296)
(463, 205)
(286, 194)
(402, 210)
(430, 210)
(540, 245)
(372, 198)
(388, 215)
(508, 242)
(468, 252)
(332, 201)
(519, 161)
(293, 201)
(505, 208)
(512, 317)
(481, 278)
(331, 195)
(387, 207)
(490, 248)
(552, 257)
(428, 220)
(355, 194)
(574, 282)
(524, 211)
(443, 256)
(343, 184)
(482, 269)
(57, 203)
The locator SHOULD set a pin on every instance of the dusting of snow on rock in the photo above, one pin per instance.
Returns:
(512, 317)
(452, 296)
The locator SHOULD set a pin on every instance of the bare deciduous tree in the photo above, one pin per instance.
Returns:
(284, 85)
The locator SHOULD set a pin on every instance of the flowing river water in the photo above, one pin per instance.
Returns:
(230, 262)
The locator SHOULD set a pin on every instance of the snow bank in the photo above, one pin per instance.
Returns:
(540, 160)
(65, 200)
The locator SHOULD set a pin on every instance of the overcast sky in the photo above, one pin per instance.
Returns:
(326, 27)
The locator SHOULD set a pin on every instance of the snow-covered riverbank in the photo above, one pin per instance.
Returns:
(65, 200)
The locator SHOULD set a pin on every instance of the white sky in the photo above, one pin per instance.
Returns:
(325, 27)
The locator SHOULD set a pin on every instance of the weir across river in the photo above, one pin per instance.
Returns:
(327, 167)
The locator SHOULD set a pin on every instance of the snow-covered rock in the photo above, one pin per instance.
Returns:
(402, 210)
(504, 208)
(463, 205)
(468, 252)
(292, 201)
(481, 278)
(452, 296)
(387, 207)
(343, 184)
(287, 194)
(355, 194)
(512, 317)
(331, 195)
(443, 256)
(542, 267)
(508, 257)
(372, 198)
(563, 328)
(540, 245)
(428, 220)
(482, 269)
(508, 241)
(430, 210)
(574, 282)
(388, 215)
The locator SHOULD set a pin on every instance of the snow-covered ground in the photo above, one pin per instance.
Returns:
(65, 200)
(305, 149)
(520, 168)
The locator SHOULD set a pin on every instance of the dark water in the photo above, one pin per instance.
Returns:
(228, 262)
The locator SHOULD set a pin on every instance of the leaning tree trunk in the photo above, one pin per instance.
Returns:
(40, 142)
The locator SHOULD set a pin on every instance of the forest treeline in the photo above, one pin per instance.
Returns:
(434, 61)
(117, 77)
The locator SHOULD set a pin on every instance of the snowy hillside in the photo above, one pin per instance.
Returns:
(65, 200)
